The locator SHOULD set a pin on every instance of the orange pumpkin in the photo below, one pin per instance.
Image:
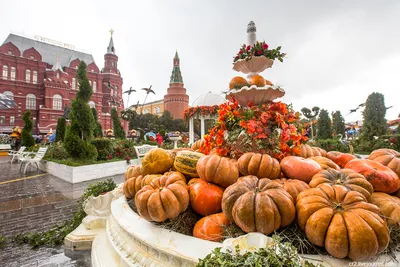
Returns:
(317, 151)
(342, 221)
(292, 186)
(299, 168)
(173, 152)
(325, 163)
(387, 157)
(218, 170)
(132, 171)
(257, 80)
(133, 185)
(205, 198)
(346, 177)
(211, 227)
(156, 161)
(381, 177)
(260, 165)
(196, 145)
(389, 205)
(341, 159)
(237, 82)
(257, 205)
(165, 198)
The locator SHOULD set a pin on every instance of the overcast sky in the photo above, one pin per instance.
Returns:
(338, 51)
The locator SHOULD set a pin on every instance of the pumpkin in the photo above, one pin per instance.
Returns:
(257, 205)
(133, 185)
(165, 198)
(292, 186)
(341, 159)
(306, 151)
(218, 170)
(387, 157)
(205, 198)
(260, 165)
(268, 82)
(342, 221)
(389, 205)
(173, 152)
(381, 177)
(299, 168)
(196, 145)
(211, 227)
(325, 163)
(132, 171)
(317, 151)
(257, 80)
(346, 177)
(186, 161)
(156, 161)
(237, 82)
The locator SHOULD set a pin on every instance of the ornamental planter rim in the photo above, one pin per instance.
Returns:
(256, 95)
(256, 64)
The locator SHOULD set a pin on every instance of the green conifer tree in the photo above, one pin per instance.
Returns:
(119, 132)
(338, 123)
(98, 130)
(324, 125)
(374, 123)
(60, 130)
(26, 134)
(80, 132)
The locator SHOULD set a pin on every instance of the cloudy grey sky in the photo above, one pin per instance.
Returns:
(338, 51)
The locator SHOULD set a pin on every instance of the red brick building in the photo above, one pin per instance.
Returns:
(41, 76)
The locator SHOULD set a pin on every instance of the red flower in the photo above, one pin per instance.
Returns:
(110, 157)
(248, 47)
(259, 52)
(240, 52)
(265, 46)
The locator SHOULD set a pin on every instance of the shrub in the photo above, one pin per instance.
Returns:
(387, 141)
(104, 148)
(332, 145)
(124, 148)
(56, 151)
(60, 130)
(119, 132)
(26, 134)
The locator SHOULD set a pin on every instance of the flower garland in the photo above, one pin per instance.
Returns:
(257, 50)
(272, 128)
(199, 110)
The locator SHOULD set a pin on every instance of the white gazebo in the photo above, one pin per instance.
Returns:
(207, 99)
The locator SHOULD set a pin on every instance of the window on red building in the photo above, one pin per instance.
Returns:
(94, 86)
(12, 120)
(2, 119)
(73, 83)
(13, 73)
(9, 94)
(57, 102)
(5, 72)
(30, 101)
(28, 76)
(34, 77)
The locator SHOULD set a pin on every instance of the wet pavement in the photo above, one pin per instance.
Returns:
(35, 202)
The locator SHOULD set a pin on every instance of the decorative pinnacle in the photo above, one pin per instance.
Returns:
(111, 32)
(251, 27)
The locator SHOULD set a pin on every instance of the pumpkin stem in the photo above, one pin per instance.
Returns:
(257, 189)
(338, 206)
(159, 189)
(338, 181)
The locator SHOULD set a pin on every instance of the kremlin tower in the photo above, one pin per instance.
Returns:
(176, 100)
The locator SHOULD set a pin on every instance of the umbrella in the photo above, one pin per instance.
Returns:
(5, 102)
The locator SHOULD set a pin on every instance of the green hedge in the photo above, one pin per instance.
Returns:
(332, 145)
(104, 148)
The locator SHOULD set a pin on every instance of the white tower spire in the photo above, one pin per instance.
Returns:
(251, 33)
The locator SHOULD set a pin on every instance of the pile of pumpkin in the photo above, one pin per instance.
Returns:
(238, 82)
(341, 202)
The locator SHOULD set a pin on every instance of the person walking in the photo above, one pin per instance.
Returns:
(159, 139)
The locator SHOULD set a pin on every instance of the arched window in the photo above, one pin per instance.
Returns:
(58, 75)
(94, 86)
(9, 94)
(5, 72)
(57, 102)
(34, 78)
(92, 104)
(73, 83)
(13, 73)
(28, 76)
(30, 101)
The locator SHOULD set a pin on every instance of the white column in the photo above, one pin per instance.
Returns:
(202, 127)
(191, 131)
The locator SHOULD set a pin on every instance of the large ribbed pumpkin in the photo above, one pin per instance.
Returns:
(186, 161)
(325, 163)
(342, 221)
(237, 82)
(341, 159)
(257, 80)
(156, 161)
(133, 185)
(132, 171)
(260, 165)
(346, 177)
(165, 198)
(299, 168)
(381, 177)
(389, 205)
(256, 205)
(387, 157)
(218, 170)
(292, 186)
(196, 145)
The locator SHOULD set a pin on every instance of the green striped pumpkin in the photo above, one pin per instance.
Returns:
(185, 162)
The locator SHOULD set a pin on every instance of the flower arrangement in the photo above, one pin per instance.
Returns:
(257, 50)
(272, 128)
(199, 110)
